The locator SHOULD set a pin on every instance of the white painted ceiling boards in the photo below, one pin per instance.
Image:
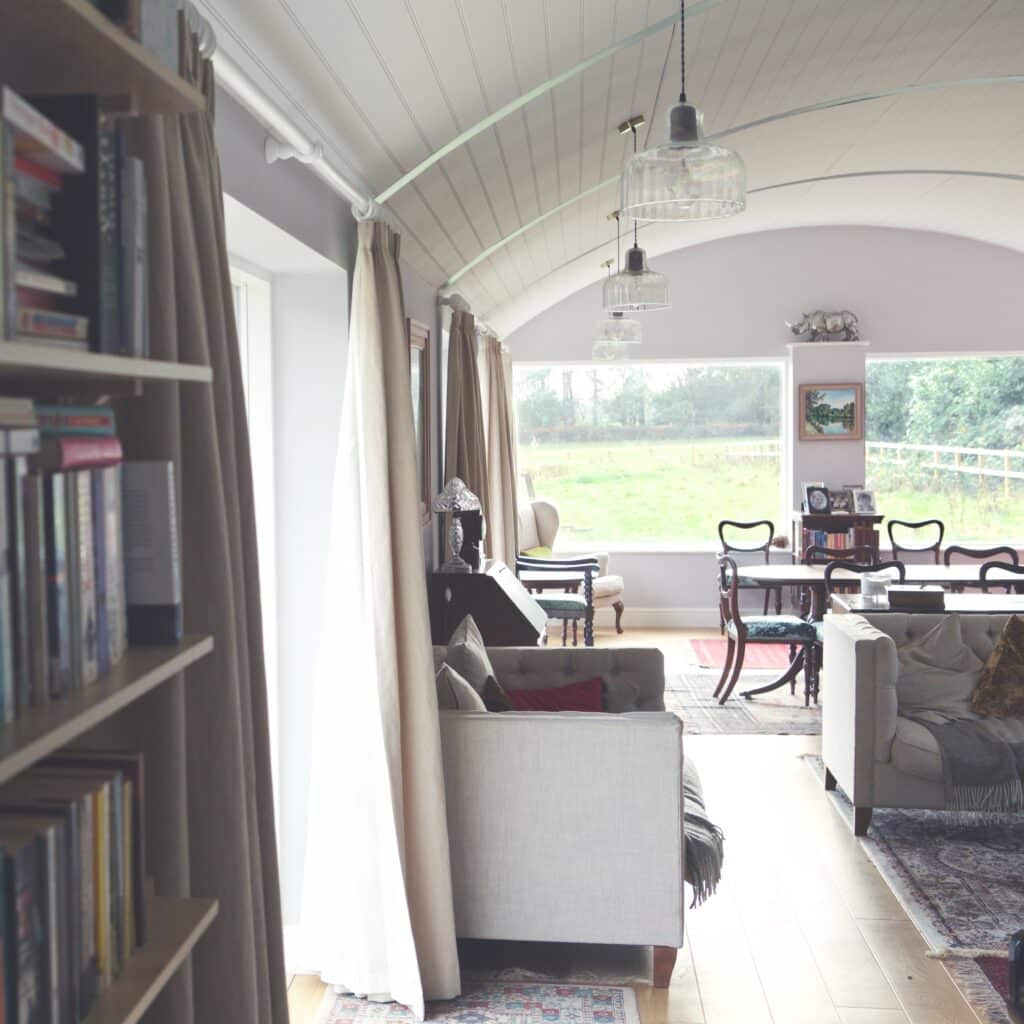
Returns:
(386, 83)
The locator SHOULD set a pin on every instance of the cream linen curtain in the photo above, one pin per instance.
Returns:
(209, 798)
(377, 915)
(502, 475)
(465, 447)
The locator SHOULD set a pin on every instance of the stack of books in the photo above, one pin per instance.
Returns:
(72, 882)
(856, 536)
(74, 263)
(63, 606)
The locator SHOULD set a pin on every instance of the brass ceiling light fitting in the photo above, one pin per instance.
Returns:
(637, 288)
(684, 178)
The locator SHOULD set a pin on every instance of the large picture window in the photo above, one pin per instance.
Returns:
(945, 440)
(653, 453)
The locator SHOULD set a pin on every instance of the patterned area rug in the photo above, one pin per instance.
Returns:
(771, 714)
(711, 654)
(960, 878)
(500, 1003)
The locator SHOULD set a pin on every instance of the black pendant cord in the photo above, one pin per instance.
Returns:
(618, 241)
(682, 51)
(633, 129)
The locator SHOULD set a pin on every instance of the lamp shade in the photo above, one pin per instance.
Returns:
(684, 178)
(618, 330)
(637, 288)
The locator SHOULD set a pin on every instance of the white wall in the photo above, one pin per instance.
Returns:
(915, 292)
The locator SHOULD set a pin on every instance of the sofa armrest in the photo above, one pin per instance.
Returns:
(566, 827)
(860, 707)
(637, 671)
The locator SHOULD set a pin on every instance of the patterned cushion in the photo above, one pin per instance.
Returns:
(563, 603)
(1000, 693)
(780, 627)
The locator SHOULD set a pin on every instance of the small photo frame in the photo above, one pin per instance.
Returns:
(864, 502)
(840, 500)
(816, 499)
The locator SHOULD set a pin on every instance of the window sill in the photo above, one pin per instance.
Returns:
(652, 548)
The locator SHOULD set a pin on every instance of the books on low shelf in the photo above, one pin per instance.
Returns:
(74, 258)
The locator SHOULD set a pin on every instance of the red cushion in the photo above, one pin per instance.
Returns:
(587, 695)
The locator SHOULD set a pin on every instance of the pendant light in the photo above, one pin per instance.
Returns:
(684, 178)
(615, 333)
(637, 288)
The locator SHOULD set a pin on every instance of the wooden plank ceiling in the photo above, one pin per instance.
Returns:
(385, 83)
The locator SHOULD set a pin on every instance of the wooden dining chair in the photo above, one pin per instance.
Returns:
(762, 629)
(998, 572)
(1001, 554)
(861, 568)
(760, 535)
(862, 554)
(895, 525)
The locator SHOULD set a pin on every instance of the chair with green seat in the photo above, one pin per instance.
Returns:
(754, 537)
(791, 630)
(570, 606)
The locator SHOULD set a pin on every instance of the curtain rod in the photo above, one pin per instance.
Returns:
(285, 140)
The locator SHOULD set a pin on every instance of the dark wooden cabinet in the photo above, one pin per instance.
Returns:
(504, 611)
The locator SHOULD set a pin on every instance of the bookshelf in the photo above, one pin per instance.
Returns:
(178, 924)
(55, 365)
(95, 57)
(862, 526)
(42, 730)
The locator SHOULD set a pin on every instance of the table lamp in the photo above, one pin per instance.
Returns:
(456, 498)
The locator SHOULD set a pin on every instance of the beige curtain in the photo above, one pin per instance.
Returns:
(209, 796)
(377, 915)
(502, 474)
(465, 448)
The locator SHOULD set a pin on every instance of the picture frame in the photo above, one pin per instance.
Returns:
(840, 500)
(864, 502)
(419, 395)
(816, 499)
(830, 412)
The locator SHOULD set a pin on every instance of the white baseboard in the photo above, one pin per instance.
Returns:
(660, 618)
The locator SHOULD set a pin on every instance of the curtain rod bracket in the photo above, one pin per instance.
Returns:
(274, 151)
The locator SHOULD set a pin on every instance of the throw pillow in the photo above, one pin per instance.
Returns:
(937, 674)
(1000, 694)
(539, 552)
(454, 693)
(587, 695)
(468, 655)
(496, 697)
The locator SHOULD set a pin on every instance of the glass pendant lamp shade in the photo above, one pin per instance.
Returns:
(636, 288)
(684, 178)
(618, 330)
(609, 351)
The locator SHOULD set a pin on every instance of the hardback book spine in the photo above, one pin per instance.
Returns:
(54, 927)
(102, 891)
(35, 575)
(75, 420)
(66, 453)
(7, 699)
(116, 873)
(24, 914)
(48, 323)
(151, 553)
(53, 147)
(86, 580)
(71, 520)
(57, 590)
(159, 30)
(89, 986)
(134, 258)
(108, 336)
(117, 604)
(40, 281)
(99, 540)
(17, 474)
(8, 197)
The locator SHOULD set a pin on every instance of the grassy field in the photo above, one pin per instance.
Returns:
(676, 491)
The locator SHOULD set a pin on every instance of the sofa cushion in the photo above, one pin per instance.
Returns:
(468, 656)
(540, 551)
(586, 695)
(937, 673)
(915, 752)
(496, 697)
(1000, 693)
(454, 693)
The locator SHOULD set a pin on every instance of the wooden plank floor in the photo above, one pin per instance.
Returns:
(803, 930)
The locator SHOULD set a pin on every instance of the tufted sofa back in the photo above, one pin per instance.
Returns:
(635, 675)
(980, 632)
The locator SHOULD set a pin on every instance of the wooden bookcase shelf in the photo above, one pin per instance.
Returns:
(42, 730)
(176, 926)
(21, 362)
(67, 46)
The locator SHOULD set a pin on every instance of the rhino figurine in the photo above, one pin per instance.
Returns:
(821, 324)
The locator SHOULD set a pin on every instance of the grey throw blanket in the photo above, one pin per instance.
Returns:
(982, 762)
(703, 838)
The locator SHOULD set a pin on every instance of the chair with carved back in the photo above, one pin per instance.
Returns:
(763, 536)
(1003, 573)
(791, 630)
(893, 565)
(816, 554)
(957, 553)
(910, 543)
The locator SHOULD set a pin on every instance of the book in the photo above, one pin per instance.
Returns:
(86, 581)
(7, 637)
(46, 176)
(17, 481)
(38, 687)
(42, 139)
(65, 453)
(134, 258)
(49, 323)
(26, 276)
(57, 591)
(74, 593)
(151, 553)
(99, 542)
(9, 226)
(74, 420)
(17, 412)
(156, 25)
(117, 604)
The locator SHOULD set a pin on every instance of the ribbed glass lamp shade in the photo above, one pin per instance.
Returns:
(609, 351)
(637, 288)
(618, 330)
(684, 178)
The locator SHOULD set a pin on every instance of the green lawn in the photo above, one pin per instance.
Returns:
(676, 491)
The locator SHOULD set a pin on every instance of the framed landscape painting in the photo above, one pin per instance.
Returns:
(831, 412)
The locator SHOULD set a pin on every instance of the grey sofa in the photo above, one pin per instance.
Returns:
(569, 827)
(878, 757)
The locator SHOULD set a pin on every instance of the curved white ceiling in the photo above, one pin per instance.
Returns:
(386, 83)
